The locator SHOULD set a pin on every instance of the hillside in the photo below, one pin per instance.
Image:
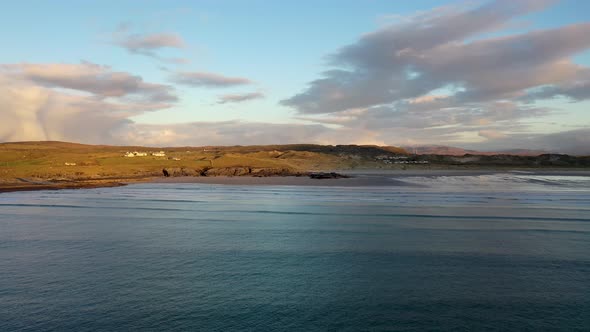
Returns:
(48, 163)
(62, 164)
(455, 151)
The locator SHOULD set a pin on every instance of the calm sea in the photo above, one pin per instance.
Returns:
(492, 252)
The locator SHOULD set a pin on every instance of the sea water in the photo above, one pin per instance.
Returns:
(490, 252)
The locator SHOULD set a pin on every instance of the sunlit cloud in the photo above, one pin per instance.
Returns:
(78, 102)
(149, 44)
(457, 75)
(238, 98)
(101, 81)
(208, 80)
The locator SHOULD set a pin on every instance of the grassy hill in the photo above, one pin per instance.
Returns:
(65, 164)
(53, 161)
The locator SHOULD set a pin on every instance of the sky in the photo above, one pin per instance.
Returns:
(487, 75)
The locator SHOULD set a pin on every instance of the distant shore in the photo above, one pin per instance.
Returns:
(10, 187)
(357, 178)
(62, 165)
(356, 181)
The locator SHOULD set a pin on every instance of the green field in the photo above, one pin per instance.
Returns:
(74, 165)
(47, 161)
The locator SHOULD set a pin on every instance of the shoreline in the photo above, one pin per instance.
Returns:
(12, 187)
(357, 178)
(353, 181)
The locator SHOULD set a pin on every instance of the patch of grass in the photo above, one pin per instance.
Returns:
(46, 160)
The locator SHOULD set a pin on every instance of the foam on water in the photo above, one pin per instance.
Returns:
(513, 181)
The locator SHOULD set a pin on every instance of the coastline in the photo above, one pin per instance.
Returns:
(363, 178)
(353, 181)
(357, 178)
(11, 187)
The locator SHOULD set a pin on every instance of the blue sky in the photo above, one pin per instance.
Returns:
(282, 49)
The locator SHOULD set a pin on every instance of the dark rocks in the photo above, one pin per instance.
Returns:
(180, 171)
(228, 171)
(264, 172)
(324, 175)
(248, 171)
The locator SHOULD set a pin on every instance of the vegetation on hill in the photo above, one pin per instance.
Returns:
(39, 162)
(51, 163)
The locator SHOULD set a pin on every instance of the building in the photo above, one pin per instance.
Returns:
(135, 154)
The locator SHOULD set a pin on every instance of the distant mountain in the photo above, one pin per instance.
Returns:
(523, 152)
(455, 151)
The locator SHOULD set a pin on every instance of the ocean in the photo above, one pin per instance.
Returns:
(499, 252)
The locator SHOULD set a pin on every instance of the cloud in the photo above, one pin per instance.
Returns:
(142, 44)
(146, 44)
(75, 102)
(575, 142)
(239, 132)
(576, 88)
(238, 98)
(219, 133)
(34, 111)
(455, 75)
(90, 103)
(31, 112)
(432, 115)
(149, 44)
(100, 81)
(209, 80)
(452, 74)
(440, 50)
(491, 134)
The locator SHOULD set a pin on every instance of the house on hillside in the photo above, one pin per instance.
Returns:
(159, 154)
(135, 154)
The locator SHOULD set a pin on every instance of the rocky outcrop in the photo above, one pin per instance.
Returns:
(231, 171)
(228, 171)
(263, 172)
(182, 171)
(331, 175)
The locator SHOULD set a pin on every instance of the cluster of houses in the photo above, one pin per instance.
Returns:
(144, 154)
(399, 160)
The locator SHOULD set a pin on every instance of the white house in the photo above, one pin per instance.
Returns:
(159, 154)
(135, 154)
